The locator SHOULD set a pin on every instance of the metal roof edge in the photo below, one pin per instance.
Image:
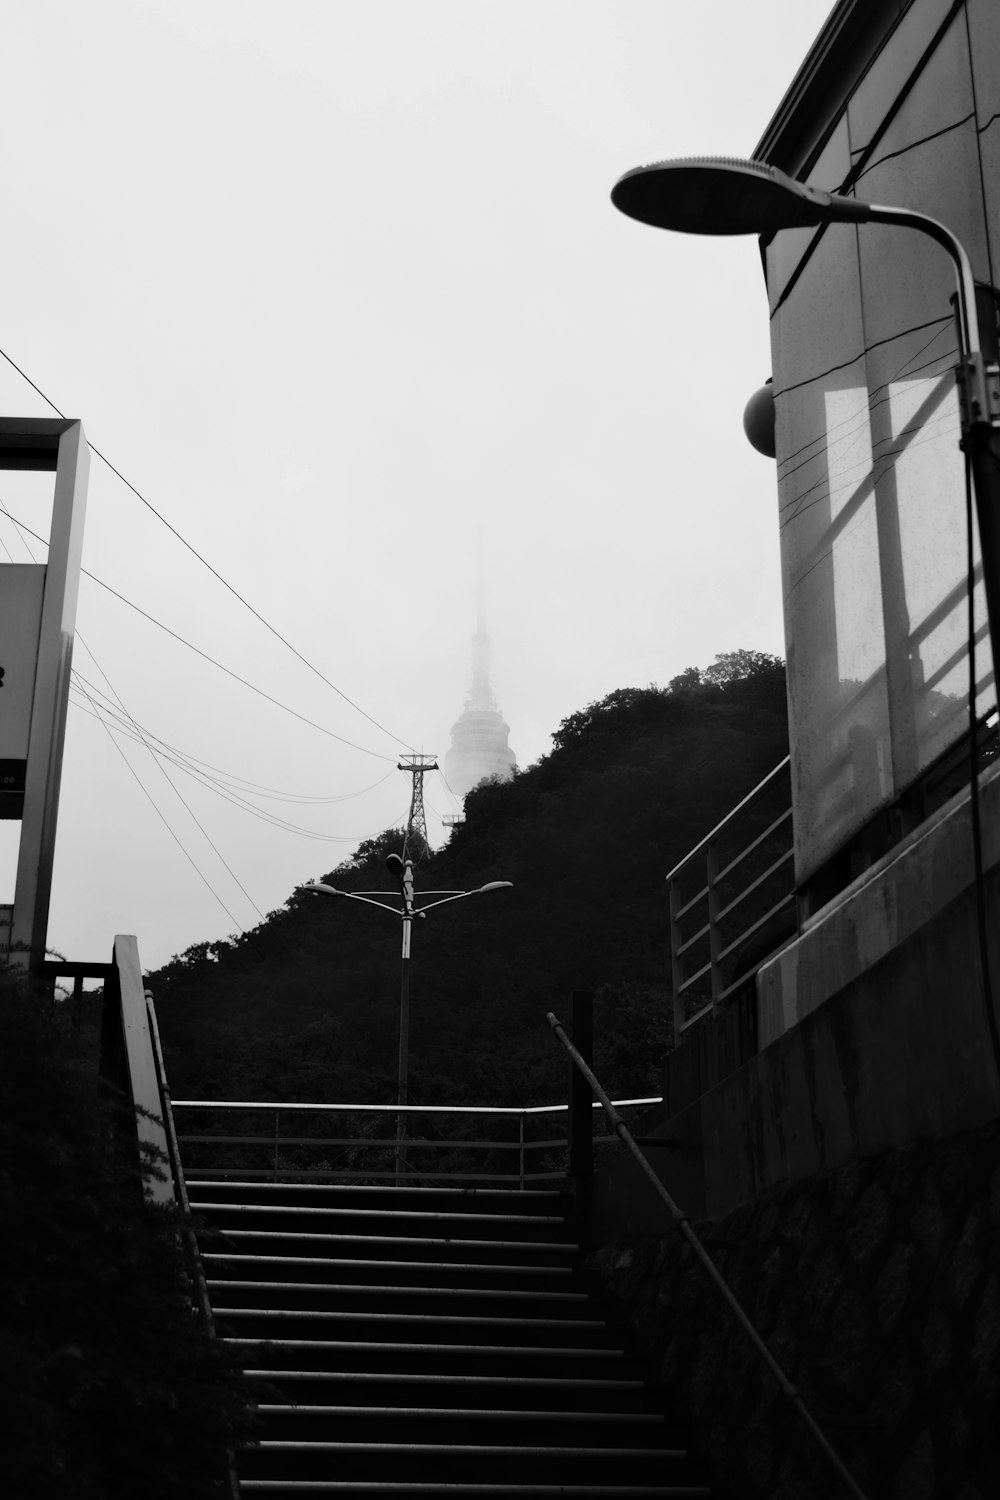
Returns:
(849, 40)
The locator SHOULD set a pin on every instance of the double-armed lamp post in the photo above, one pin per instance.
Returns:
(406, 909)
(706, 195)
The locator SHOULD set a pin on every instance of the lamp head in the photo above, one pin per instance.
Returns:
(725, 195)
(495, 885)
(318, 885)
(394, 865)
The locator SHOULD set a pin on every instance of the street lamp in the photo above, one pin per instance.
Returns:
(721, 195)
(407, 910)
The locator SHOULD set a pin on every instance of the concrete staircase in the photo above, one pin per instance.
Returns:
(428, 1341)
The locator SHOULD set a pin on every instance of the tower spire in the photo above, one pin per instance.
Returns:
(479, 747)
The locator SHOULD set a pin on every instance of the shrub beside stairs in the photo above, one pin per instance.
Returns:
(428, 1341)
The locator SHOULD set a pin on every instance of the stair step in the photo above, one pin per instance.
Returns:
(442, 1329)
(412, 1357)
(401, 1489)
(537, 1279)
(443, 1462)
(378, 1387)
(445, 1298)
(524, 1252)
(382, 1221)
(505, 1426)
(492, 1200)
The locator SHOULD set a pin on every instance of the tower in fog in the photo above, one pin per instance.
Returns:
(479, 745)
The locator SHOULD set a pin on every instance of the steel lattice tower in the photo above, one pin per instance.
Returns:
(416, 844)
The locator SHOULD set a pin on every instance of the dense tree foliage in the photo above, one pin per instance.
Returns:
(110, 1388)
(306, 1005)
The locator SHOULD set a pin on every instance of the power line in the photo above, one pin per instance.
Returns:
(206, 564)
(234, 782)
(200, 873)
(107, 716)
(376, 754)
(157, 761)
(149, 798)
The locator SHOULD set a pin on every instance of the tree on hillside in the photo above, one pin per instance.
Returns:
(737, 666)
(586, 836)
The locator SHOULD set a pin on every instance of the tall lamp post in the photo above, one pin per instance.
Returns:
(705, 195)
(407, 910)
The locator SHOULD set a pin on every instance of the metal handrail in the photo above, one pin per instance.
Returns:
(275, 1108)
(730, 815)
(718, 908)
(127, 1065)
(177, 1168)
(688, 1233)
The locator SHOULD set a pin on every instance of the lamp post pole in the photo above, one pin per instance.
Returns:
(406, 911)
(403, 1070)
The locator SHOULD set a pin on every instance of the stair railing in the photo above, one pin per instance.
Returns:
(128, 1064)
(718, 1282)
(716, 940)
(189, 1238)
(132, 1066)
(269, 1137)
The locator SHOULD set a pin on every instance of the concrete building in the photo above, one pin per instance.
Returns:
(826, 1102)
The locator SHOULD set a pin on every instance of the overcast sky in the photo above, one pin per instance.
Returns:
(339, 289)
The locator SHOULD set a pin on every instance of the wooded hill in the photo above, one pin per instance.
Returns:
(306, 1006)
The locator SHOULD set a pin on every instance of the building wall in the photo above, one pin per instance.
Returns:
(871, 489)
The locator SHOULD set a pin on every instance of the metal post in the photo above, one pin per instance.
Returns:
(982, 442)
(581, 1133)
(714, 906)
(402, 1087)
(676, 963)
(45, 444)
(403, 1078)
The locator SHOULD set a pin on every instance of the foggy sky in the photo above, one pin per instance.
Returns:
(339, 289)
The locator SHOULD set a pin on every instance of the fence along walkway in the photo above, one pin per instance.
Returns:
(732, 900)
(505, 1146)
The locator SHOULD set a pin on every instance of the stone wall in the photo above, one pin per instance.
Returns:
(877, 1288)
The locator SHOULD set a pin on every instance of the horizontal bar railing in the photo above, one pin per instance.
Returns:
(300, 1155)
(718, 1282)
(732, 899)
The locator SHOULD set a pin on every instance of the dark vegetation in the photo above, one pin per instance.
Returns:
(305, 1007)
(109, 1386)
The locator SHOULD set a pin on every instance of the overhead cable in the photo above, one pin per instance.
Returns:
(376, 754)
(206, 564)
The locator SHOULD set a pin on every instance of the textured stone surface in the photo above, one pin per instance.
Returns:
(877, 1288)
(893, 1287)
(869, 1225)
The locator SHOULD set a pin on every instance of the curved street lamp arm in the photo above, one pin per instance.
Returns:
(329, 890)
(493, 885)
(906, 218)
(354, 896)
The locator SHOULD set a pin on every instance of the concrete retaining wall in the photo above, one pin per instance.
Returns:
(877, 1288)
